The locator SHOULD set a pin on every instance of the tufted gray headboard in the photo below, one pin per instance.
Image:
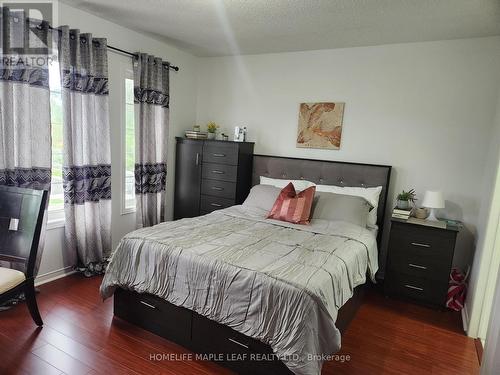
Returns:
(326, 173)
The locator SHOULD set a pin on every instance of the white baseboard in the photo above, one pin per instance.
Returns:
(465, 318)
(54, 275)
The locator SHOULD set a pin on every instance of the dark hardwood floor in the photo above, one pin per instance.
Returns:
(80, 336)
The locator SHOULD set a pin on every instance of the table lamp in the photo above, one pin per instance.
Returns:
(433, 200)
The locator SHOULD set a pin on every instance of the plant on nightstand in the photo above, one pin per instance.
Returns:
(212, 128)
(404, 198)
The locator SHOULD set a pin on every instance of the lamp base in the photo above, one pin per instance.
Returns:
(432, 215)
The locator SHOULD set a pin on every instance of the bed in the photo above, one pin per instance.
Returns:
(260, 296)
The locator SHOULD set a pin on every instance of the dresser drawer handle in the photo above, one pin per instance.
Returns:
(148, 305)
(413, 287)
(216, 171)
(219, 155)
(239, 343)
(217, 188)
(417, 266)
(420, 244)
(216, 204)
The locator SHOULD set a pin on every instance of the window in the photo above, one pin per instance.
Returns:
(129, 135)
(56, 203)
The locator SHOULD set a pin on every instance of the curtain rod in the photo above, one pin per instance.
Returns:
(172, 67)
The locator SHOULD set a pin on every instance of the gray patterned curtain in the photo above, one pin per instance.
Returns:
(25, 131)
(151, 95)
(86, 142)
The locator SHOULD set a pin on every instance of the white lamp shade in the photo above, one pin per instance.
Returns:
(433, 199)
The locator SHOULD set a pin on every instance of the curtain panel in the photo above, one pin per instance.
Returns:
(151, 98)
(83, 66)
(25, 130)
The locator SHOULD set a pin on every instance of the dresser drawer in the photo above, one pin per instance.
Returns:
(220, 189)
(220, 153)
(221, 172)
(210, 203)
(417, 288)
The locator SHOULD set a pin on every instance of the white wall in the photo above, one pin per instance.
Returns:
(487, 260)
(182, 116)
(491, 356)
(427, 109)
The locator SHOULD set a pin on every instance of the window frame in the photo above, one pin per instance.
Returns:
(56, 217)
(128, 206)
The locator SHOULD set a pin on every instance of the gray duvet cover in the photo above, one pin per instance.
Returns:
(280, 283)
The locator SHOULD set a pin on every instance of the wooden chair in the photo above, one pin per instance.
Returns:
(21, 219)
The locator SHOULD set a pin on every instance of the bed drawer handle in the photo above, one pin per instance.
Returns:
(216, 204)
(148, 305)
(420, 244)
(239, 343)
(216, 171)
(217, 188)
(414, 287)
(417, 266)
(219, 155)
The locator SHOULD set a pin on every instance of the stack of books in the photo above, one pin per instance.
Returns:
(192, 134)
(401, 214)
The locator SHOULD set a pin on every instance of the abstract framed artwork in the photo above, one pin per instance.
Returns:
(320, 125)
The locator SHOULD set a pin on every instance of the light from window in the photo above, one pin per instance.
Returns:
(129, 187)
(56, 202)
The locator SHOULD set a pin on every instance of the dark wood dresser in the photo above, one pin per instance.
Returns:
(419, 262)
(210, 175)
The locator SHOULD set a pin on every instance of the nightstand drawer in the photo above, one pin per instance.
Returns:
(413, 262)
(422, 242)
(418, 288)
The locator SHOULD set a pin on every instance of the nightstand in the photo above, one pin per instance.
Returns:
(419, 262)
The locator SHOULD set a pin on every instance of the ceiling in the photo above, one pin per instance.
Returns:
(231, 27)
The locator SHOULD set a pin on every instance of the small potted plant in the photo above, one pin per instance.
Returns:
(212, 128)
(405, 199)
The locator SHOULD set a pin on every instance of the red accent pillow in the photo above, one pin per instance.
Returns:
(292, 207)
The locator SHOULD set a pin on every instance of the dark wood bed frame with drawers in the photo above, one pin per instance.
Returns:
(205, 336)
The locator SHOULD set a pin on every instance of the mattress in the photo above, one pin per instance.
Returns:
(277, 282)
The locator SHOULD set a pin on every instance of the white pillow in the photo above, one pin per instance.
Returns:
(333, 207)
(299, 185)
(262, 196)
(371, 194)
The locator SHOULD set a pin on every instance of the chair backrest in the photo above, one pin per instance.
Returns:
(21, 220)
